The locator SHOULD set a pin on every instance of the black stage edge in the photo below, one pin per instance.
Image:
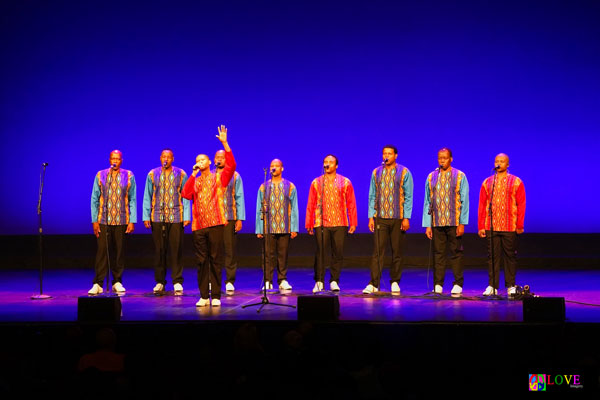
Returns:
(536, 250)
(306, 360)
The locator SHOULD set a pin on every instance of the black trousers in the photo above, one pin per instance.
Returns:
(168, 238)
(329, 238)
(277, 255)
(208, 245)
(115, 235)
(230, 242)
(505, 249)
(444, 240)
(387, 230)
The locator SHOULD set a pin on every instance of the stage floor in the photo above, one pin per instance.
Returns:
(581, 290)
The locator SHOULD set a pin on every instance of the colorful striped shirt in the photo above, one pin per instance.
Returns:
(339, 204)
(233, 199)
(206, 191)
(508, 208)
(391, 191)
(162, 196)
(281, 207)
(114, 198)
(449, 191)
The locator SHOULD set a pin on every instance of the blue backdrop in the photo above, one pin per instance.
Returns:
(297, 80)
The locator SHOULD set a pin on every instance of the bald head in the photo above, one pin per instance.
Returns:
(220, 159)
(115, 159)
(276, 168)
(203, 162)
(501, 162)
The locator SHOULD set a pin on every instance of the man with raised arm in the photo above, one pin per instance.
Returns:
(205, 189)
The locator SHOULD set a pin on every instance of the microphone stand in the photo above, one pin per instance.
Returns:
(264, 215)
(322, 252)
(107, 292)
(163, 253)
(375, 220)
(430, 265)
(494, 295)
(41, 296)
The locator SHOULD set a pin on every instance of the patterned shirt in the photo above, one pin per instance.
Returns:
(114, 198)
(391, 191)
(162, 196)
(339, 203)
(233, 199)
(508, 208)
(450, 193)
(281, 207)
(206, 191)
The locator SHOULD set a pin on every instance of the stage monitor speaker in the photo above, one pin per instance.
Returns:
(98, 309)
(318, 308)
(544, 309)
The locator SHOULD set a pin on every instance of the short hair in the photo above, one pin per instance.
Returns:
(277, 159)
(445, 149)
(331, 155)
(389, 146)
(167, 149)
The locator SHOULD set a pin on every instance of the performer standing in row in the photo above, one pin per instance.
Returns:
(166, 213)
(507, 194)
(445, 214)
(330, 209)
(235, 213)
(114, 213)
(390, 209)
(282, 223)
(206, 191)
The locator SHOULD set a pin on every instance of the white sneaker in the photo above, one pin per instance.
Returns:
(511, 291)
(318, 287)
(284, 285)
(96, 289)
(395, 287)
(438, 289)
(215, 303)
(268, 285)
(118, 287)
(178, 288)
(158, 288)
(202, 303)
(333, 285)
(229, 287)
(490, 291)
(370, 289)
(456, 289)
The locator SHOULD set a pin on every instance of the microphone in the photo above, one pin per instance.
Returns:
(497, 167)
(273, 170)
(196, 167)
(113, 165)
(384, 162)
(326, 166)
(165, 164)
(218, 164)
(44, 164)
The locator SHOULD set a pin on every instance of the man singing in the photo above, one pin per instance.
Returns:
(206, 191)
(503, 225)
(114, 214)
(330, 209)
(390, 209)
(281, 213)
(445, 214)
(166, 213)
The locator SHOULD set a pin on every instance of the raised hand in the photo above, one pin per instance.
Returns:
(222, 136)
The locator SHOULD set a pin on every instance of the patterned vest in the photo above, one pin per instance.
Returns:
(444, 191)
(279, 206)
(114, 199)
(390, 200)
(334, 206)
(167, 205)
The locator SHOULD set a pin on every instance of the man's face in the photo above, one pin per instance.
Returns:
(220, 159)
(116, 159)
(389, 155)
(330, 164)
(166, 159)
(444, 159)
(502, 162)
(203, 162)
(276, 168)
